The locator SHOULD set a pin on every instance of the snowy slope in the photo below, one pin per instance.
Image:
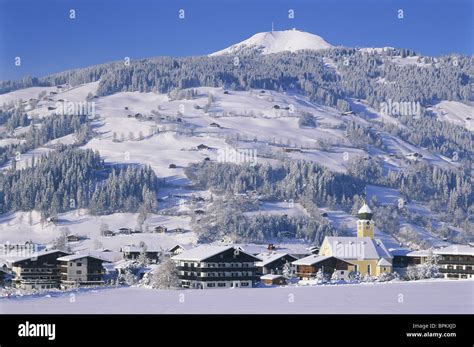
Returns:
(246, 119)
(455, 112)
(19, 227)
(277, 41)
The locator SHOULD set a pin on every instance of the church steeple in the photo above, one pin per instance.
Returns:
(365, 224)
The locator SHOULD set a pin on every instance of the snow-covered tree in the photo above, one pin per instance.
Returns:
(287, 270)
(165, 276)
(129, 277)
(143, 258)
(428, 269)
(320, 277)
(60, 243)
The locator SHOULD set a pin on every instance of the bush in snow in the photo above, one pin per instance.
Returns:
(385, 277)
(354, 276)
(165, 276)
(368, 278)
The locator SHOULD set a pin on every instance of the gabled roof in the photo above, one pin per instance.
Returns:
(180, 245)
(36, 255)
(270, 257)
(204, 252)
(384, 262)
(73, 257)
(359, 248)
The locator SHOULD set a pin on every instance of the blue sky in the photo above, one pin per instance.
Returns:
(41, 33)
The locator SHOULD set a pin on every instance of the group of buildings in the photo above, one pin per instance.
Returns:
(53, 269)
(233, 266)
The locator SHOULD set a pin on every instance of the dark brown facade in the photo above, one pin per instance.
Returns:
(37, 272)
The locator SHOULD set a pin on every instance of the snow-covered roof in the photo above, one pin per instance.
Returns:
(134, 248)
(270, 257)
(399, 251)
(73, 257)
(204, 252)
(290, 248)
(365, 209)
(384, 262)
(419, 253)
(455, 250)
(181, 245)
(310, 260)
(36, 255)
(271, 277)
(408, 252)
(360, 248)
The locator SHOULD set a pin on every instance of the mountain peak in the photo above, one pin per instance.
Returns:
(277, 41)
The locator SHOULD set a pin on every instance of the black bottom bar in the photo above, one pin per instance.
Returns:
(366, 330)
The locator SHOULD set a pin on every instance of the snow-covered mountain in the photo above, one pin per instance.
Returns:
(277, 41)
(272, 117)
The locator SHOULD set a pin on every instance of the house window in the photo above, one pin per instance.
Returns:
(244, 284)
(368, 269)
(211, 285)
(221, 284)
(78, 272)
(79, 264)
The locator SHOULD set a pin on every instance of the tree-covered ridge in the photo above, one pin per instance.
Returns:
(357, 75)
(43, 130)
(290, 180)
(447, 191)
(71, 178)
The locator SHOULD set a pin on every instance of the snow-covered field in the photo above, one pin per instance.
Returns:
(424, 297)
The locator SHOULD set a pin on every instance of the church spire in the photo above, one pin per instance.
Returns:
(365, 224)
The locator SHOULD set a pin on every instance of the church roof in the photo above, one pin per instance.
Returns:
(360, 248)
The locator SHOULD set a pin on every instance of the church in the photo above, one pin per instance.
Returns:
(368, 254)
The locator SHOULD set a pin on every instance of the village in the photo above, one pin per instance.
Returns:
(339, 259)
